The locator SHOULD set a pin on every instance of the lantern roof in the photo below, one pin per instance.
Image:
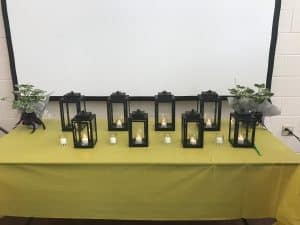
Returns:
(209, 95)
(138, 115)
(164, 96)
(84, 116)
(192, 115)
(249, 116)
(71, 96)
(118, 95)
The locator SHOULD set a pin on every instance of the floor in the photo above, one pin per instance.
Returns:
(45, 221)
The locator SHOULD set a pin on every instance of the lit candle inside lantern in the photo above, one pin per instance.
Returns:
(208, 123)
(138, 138)
(241, 139)
(163, 122)
(84, 140)
(232, 122)
(119, 123)
(193, 140)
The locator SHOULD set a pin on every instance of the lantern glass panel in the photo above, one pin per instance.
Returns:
(231, 129)
(84, 134)
(94, 131)
(118, 114)
(138, 132)
(71, 110)
(210, 114)
(164, 114)
(245, 133)
(192, 130)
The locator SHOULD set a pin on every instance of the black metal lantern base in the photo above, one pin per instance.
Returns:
(114, 127)
(189, 145)
(135, 144)
(30, 119)
(213, 127)
(168, 127)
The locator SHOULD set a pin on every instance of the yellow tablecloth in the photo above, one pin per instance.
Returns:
(42, 179)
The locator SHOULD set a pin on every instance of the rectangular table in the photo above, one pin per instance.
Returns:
(39, 178)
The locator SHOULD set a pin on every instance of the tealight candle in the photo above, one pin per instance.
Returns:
(208, 123)
(241, 139)
(84, 140)
(193, 140)
(119, 123)
(138, 139)
(113, 139)
(167, 139)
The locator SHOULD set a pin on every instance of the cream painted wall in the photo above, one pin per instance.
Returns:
(286, 80)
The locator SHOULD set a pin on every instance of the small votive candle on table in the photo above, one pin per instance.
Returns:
(113, 139)
(63, 140)
(219, 139)
(167, 139)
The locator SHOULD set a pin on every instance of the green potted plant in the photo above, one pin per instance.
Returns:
(31, 102)
(257, 101)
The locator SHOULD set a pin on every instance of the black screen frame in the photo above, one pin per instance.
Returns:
(272, 50)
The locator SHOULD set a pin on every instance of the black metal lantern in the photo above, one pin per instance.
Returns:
(164, 111)
(84, 127)
(242, 129)
(210, 106)
(70, 104)
(117, 111)
(138, 129)
(192, 129)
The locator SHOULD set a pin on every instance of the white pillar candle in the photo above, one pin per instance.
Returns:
(119, 123)
(167, 139)
(84, 140)
(241, 139)
(208, 123)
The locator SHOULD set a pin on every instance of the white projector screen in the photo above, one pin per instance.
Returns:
(140, 46)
